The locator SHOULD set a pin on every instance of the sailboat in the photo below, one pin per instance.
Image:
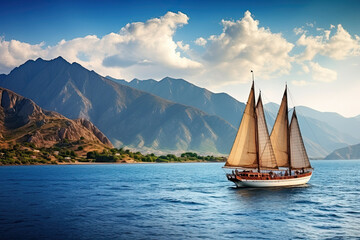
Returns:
(258, 159)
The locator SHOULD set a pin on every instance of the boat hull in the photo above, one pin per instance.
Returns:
(260, 183)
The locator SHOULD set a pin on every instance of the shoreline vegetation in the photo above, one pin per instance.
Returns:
(65, 153)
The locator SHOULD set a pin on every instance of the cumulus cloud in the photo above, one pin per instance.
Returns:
(200, 41)
(322, 74)
(242, 46)
(148, 50)
(338, 46)
(140, 49)
(300, 83)
(13, 53)
(182, 46)
(305, 68)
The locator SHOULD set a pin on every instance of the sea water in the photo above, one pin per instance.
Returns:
(174, 201)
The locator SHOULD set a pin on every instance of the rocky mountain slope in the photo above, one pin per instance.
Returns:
(127, 116)
(183, 92)
(21, 120)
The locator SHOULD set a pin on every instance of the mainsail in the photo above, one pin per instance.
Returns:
(243, 152)
(299, 158)
(266, 153)
(280, 135)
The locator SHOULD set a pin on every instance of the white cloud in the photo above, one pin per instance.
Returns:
(339, 46)
(322, 74)
(299, 31)
(243, 46)
(14, 53)
(140, 49)
(200, 41)
(300, 83)
(305, 68)
(182, 46)
(148, 50)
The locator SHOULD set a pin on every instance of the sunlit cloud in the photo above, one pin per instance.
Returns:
(140, 49)
(148, 50)
(242, 46)
(322, 74)
(200, 41)
(301, 83)
(338, 46)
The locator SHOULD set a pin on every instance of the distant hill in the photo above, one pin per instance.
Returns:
(350, 126)
(183, 92)
(349, 152)
(129, 117)
(320, 135)
(21, 120)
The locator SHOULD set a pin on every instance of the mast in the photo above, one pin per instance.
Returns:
(256, 127)
(280, 134)
(288, 132)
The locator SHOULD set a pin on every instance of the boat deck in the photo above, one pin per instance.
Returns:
(246, 175)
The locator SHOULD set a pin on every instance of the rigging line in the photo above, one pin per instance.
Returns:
(304, 118)
(269, 115)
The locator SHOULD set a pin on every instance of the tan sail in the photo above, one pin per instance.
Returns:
(299, 157)
(243, 152)
(266, 154)
(279, 134)
(254, 148)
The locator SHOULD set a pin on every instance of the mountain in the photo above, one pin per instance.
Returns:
(127, 116)
(21, 120)
(194, 120)
(183, 92)
(320, 137)
(350, 126)
(349, 152)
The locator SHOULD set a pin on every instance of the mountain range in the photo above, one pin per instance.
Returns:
(323, 132)
(22, 121)
(183, 92)
(167, 116)
(320, 136)
(127, 116)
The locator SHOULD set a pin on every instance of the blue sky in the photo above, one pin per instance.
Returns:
(288, 43)
(50, 21)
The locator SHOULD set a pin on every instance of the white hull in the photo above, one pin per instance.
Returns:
(273, 183)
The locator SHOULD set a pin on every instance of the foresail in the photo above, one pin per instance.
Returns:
(279, 134)
(299, 157)
(243, 152)
(266, 153)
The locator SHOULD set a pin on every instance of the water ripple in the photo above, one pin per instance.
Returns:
(174, 201)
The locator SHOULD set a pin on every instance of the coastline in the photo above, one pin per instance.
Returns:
(116, 163)
(106, 163)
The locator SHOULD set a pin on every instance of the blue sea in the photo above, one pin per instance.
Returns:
(174, 201)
